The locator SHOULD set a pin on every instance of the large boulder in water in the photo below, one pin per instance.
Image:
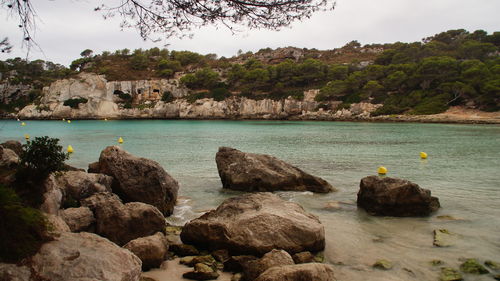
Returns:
(120, 222)
(84, 256)
(256, 223)
(260, 172)
(299, 272)
(152, 250)
(385, 196)
(138, 179)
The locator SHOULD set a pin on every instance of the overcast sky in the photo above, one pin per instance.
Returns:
(67, 27)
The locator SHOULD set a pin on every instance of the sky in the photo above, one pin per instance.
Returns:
(65, 28)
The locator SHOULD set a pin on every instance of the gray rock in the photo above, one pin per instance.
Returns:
(78, 219)
(138, 179)
(85, 256)
(120, 222)
(299, 272)
(252, 269)
(152, 250)
(384, 196)
(443, 238)
(303, 257)
(13, 145)
(8, 158)
(12, 272)
(255, 224)
(259, 172)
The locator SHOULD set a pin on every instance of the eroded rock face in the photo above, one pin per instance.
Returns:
(255, 224)
(260, 172)
(152, 250)
(12, 272)
(120, 222)
(13, 145)
(395, 197)
(85, 256)
(299, 272)
(78, 219)
(8, 158)
(138, 179)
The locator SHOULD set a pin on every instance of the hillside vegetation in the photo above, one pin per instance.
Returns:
(455, 67)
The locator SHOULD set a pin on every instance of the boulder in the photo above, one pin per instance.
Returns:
(252, 269)
(78, 219)
(66, 189)
(152, 250)
(298, 272)
(385, 196)
(201, 272)
(12, 272)
(85, 256)
(138, 179)
(8, 158)
(235, 263)
(13, 145)
(259, 172)
(256, 223)
(183, 250)
(120, 222)
(303, 257)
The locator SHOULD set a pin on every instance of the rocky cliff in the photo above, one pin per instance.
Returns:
(105, 99)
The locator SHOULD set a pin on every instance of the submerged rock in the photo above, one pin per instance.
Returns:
(395, 197)
(492, 264)
(85, 256)
(152, 250)
(183, 250)
(383, 264)
(201, 272)
(472, 266)
(450, 274)
(259, 172)
(120, 222)
(138, 179)
(299, 272)
(256, 223)
(443, 238)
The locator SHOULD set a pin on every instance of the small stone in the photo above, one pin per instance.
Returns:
(320, 257)
(450, 274)
(443, 238)
(449, 218)
(303, 257)
(383, 264)
(183, 250)
(492, 264)
(236, 277)
(201, 272)
(472, 266)
(172, 229)
(332, 205)
(220, 255)
(186, 260)
(235, 263)
(192, 260)
(436, 262)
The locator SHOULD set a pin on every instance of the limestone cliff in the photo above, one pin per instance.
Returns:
(103, 100)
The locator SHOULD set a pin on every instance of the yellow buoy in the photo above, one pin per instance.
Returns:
(70, 149)
(23, 124)
(69, 121)
(382, 170)
(64, 119)
(120, 140)
(26, 136)
(423, 155)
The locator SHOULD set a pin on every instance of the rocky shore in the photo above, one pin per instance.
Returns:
(109, 223)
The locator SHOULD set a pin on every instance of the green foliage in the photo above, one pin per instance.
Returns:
(21, 228)
(167, 97)
(139, 61)
(187, 57)
(42, 156)
(204, 78)
(74, 102)
(124, 96)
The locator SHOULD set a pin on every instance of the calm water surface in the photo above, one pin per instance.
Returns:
(463, 170)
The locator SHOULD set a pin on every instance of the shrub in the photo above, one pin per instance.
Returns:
(75, 102)
(42, 156)
(122, 95)
(21, 228)
(219, 94)
(167, 97)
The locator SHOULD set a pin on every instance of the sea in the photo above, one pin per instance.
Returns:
(462, 170)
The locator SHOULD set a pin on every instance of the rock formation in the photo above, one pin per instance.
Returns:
(256, 224)
(259, 172)
(298, 272)
(152, 250)
(385, 196)
(138, 179)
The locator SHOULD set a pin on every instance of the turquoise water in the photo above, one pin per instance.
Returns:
(462, 170)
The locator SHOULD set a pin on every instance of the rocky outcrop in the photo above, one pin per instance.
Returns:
(13, 145)
(260, 172)
(152, 250)
(13, 272)
(69, 187)
(255, 224)
(8, 158)
(299, 272)
(138, 179)
(385, 196)
(78, 219)
(84, 256)
(252, 269)
(120, 222)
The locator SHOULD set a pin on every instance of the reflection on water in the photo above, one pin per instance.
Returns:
(462, 170)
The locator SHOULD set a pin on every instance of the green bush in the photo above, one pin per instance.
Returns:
(122, 95)
(75, 102)
(219, 94)
(42, 156)
(167, 97)
(21, 228)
